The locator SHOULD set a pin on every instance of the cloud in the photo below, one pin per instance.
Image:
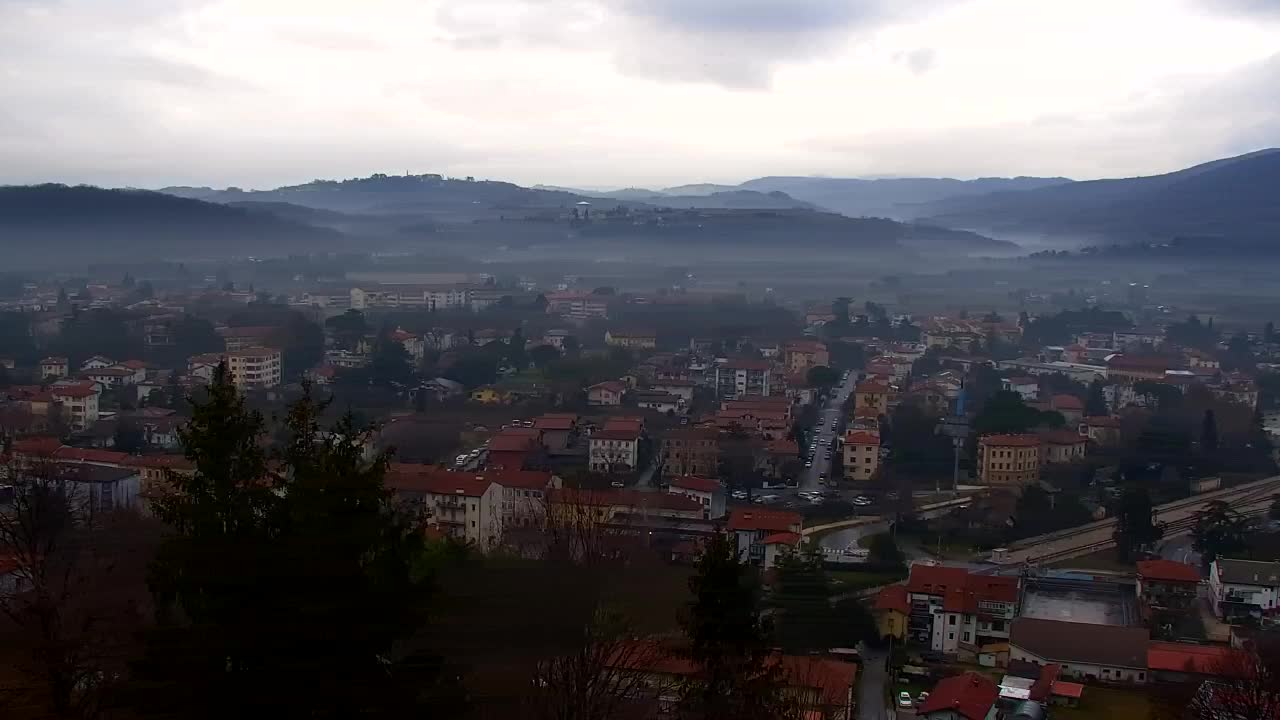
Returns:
(1245, 7)
(918, 61)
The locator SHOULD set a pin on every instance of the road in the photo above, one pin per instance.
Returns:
(871, 682)
(822, 431)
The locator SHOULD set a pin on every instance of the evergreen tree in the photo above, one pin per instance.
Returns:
(1209, 433)
(1135, 525)
(1096, 403)
(728, 641)
(1269, 332)
(1219, 532)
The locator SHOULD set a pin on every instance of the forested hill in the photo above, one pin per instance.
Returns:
(39, 223)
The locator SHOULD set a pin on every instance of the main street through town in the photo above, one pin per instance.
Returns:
(825, 432)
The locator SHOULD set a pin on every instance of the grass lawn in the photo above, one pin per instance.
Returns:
(1100, 560)
(848, 580)
(1099, 703)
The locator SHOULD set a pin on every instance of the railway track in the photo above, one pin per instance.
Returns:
(1179, 516)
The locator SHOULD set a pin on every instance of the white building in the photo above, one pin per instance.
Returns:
(706, 492)
(255, 367)
(79, 403)
(1244, 587)
(956, 611)
(462, 505)
(613, 450)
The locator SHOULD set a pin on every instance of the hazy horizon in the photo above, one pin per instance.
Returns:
(628, 93)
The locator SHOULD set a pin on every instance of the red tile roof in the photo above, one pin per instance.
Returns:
(700, 484)
(1168, 570)
(511, 442)
(968, 695)
(1067, 689)
(1184, 657)
(626, 435)
(553, 423)
(524, 479)
(871, 386)
(91, 455)
(1067, 402)
(782, 538)
(1010, 440)
(861, 438)
(771, 520)
(612, 386)
(893, 597)
(72, 391)
(935, 579)
(403, 477)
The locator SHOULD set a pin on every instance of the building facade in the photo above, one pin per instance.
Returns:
(1009, 460)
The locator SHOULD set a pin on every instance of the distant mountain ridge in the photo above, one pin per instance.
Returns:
(896, 198)
(1233, 199)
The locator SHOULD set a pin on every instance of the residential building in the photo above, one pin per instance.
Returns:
(1009, 460)
(751, 526)
(558, 430)
(461, 505)
(258, 367)
(1166, 585)
(1084, 651)
(412, 344)
(1027, 387)
(607, 393)
(616, 450)
(892, 607)
(79, 403)
(53, 367)
(682, 389)
(739, 378)
(114, 376)
(801, 355)
(658, 401)
(861, 454)
(578, 305)
(1135, 368)
(96, 362)
(707, 492)
(957, 612)
(1070, 406)
(101, 488)
(631, 339)
(872, 396)
(968, 696)
(1244, 588)
(1062, 446)
(515, 449)
(690, 451)
(241, 338)
(523, 496)
(1103, 430)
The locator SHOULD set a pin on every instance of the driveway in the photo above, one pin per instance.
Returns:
(871, 685)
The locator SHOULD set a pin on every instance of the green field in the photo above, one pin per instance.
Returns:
(1099, 703)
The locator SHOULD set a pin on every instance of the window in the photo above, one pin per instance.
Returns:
(951, 636)
(1142, 676)
(966, 637)
(951, 619)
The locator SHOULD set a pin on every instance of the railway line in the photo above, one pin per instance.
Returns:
(1250, 499)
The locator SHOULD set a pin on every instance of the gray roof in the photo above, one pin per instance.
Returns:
(1081, 643)
(1248, 572)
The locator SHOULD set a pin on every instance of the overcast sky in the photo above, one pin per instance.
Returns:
(607, 93)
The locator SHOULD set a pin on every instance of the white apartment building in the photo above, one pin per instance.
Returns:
(461, 505)
(255, 367)
(1244, 587)
(610, 450)
(953, 610)
(79, 403)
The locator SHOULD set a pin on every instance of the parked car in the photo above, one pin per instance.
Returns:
(738, 494)
(904, 699)
(922, 697)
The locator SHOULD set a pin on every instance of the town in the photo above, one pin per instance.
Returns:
(1021, 511)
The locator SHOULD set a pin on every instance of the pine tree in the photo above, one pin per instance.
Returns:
(1096, 403)
(728, 641)
(1209, 433)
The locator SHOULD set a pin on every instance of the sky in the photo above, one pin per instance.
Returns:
(628, 93)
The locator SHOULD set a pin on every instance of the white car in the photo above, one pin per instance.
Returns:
(904, 699)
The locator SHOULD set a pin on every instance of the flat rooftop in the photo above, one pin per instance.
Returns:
(1079, 601)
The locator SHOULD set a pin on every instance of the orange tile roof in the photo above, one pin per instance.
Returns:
(1168, 570)
(1184, 657)
(700, 484)
(1010, 440)
(893, 597)
(861, 438)
(772, 520)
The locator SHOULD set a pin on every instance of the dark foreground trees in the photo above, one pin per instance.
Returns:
(286, 585)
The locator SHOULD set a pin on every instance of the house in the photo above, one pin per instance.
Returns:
(1026, 681)
(53, 367)
(1243, 588)
(861, 454)
(751, 526)
(801, 355)
(1166, 585)
(968, 696)
(738, 378)
(558, 429)
(1101, 429)
(1027, 387)
(79, 403)
(891, 609)
(778, 544)
(1062, 446)
(101, 488)
(658, 401)
(523, 496)
(608, 393)
(515, 449)
(707, 492)
(1071, 407)
(1135, 368)
(1085, 651)
(1175, 662)
(631, 339)
(113, 377)
(690, 451)
(820, 688)
(489, 395)
(956, 612)
(96, 362)
(235, 339)
(873, 396)
(556, 338)
(1009, 460)
(462, 505)
(614, 450)
(682, 389)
